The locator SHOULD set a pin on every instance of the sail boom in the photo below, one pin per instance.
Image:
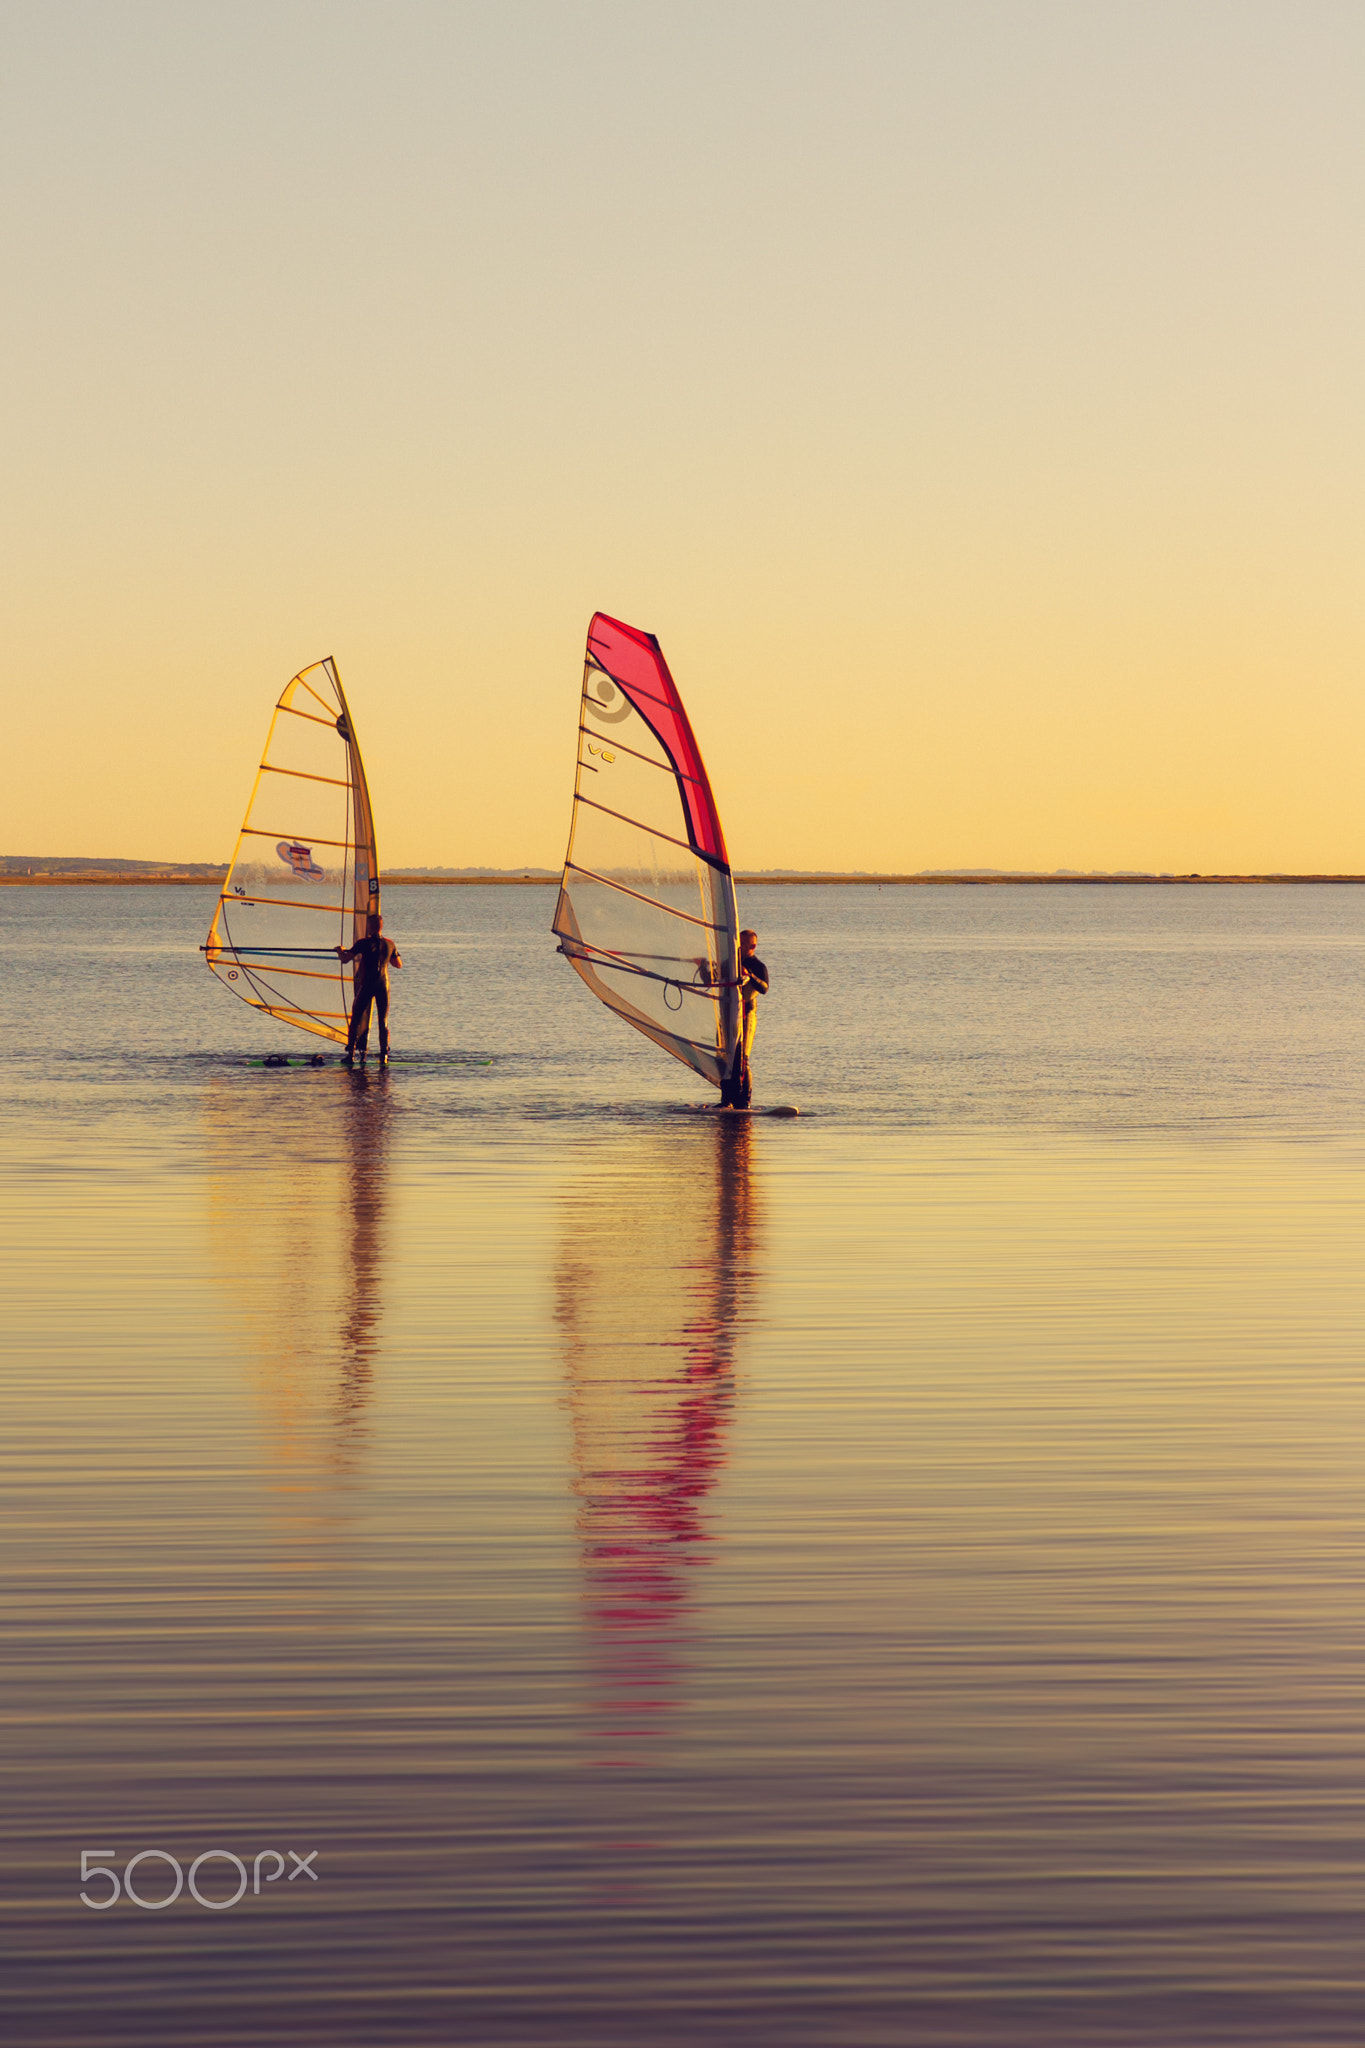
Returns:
(268, 952)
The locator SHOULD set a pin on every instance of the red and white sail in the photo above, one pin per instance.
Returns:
(646, 910)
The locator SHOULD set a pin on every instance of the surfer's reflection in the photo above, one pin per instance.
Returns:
(297, 1185)
(654, 1286)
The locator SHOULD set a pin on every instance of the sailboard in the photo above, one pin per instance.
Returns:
(646, 912)
(305, 875)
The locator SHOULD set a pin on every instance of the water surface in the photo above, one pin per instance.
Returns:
(889, 1576)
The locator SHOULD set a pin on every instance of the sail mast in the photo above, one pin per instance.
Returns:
(365, 895)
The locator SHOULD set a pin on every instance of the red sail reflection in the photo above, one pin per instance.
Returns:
(654, 1286)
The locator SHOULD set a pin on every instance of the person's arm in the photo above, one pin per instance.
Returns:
(346, 952)
(752, 980)
(396, 959)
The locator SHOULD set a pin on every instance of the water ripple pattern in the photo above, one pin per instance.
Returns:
(889, 1576)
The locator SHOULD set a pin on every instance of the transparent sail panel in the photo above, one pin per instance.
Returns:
(304, 874)
(647, 922)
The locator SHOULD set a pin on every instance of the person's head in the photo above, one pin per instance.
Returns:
(372, 924)
(748, 943)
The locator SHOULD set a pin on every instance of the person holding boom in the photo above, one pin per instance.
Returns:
(374, 955)
(753, 983)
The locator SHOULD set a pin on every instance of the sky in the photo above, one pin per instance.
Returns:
(967, 394)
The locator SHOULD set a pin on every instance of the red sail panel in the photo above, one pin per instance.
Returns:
(635, 663)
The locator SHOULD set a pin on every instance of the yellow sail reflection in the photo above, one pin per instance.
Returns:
(297, 1177)
(655, 1279)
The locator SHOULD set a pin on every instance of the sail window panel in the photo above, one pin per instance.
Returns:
(309, 908)
(612, 918)
(268, 916)
(687, 1031)
(671, 1007)
(645, 861)
(313, 1005)
(305, 811)
(306, 746)
(646, 795)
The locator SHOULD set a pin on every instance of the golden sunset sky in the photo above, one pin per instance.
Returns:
(968, 395)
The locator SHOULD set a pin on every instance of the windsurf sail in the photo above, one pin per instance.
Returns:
(646, 911)
(305, 874)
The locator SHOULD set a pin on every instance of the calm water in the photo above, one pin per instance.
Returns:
(888, 1577)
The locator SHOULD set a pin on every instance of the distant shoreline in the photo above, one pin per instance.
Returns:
(400, 880)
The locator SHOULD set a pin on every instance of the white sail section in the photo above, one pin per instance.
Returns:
(645, 916)
(305, 873)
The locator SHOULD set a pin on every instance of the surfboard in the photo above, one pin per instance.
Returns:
(369, 1066)
(725, 1109)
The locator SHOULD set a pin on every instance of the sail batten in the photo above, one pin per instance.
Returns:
(611, 882)
(302, 775)
(666, 766)
(646, 913)
(607, 811)
(273, 832)
(313, 716)
(326, 861)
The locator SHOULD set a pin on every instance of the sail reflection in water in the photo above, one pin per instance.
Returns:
(297, 1170)
(656, 1277)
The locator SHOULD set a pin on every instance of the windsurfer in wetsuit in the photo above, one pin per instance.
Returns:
(753, 983)
(374, 955)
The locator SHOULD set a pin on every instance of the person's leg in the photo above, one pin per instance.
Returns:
(381, 1011)
(745, 1089)
(358, 1032)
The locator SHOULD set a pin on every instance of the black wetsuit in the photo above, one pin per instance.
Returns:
(753, 980)
(753, 983)
(372, 955)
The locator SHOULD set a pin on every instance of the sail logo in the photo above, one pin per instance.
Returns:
(300, 859)
(601, 701)
(602, 753)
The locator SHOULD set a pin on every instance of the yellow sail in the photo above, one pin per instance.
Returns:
(305, 874)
